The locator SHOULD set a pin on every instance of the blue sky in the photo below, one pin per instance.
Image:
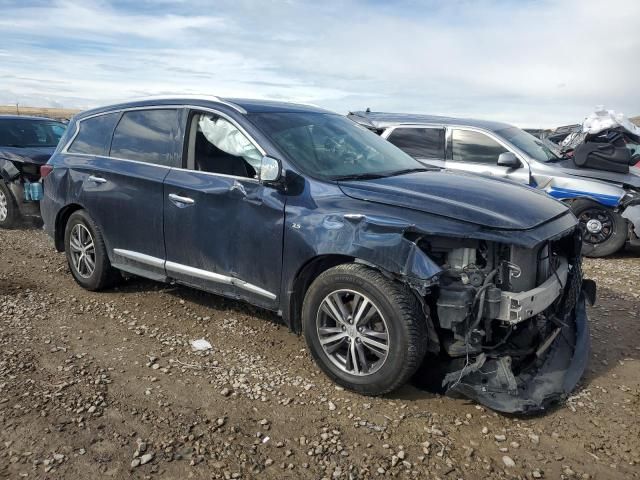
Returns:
(532, 63)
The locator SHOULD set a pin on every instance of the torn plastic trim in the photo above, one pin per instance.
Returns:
(632, 214)
(491, 383)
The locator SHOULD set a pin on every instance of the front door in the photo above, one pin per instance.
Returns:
(477, 152)
(223, 228)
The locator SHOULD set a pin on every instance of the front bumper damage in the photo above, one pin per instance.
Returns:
(511, 322)
(561, 362)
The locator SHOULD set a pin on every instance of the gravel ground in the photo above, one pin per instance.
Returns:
(106, 385)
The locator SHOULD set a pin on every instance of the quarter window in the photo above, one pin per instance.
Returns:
(94, 135)
(475, 147)
(419, 142)
(146, 136)
(217, 146)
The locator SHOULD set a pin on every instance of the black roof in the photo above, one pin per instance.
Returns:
(381, 120)
(240, 105)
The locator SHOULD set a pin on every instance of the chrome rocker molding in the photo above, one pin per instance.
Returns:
(192, 272)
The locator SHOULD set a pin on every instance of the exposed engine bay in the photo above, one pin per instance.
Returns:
(504, 319)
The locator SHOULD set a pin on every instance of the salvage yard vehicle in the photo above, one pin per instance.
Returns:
(26, 143)
(607, 203)
(379, 262)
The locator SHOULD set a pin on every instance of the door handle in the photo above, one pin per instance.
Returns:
(95, 179)
(181, 202)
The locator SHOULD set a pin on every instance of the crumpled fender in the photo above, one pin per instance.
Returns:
(570, 188)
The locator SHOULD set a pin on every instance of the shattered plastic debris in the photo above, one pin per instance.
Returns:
(200, 345)
(602, 120)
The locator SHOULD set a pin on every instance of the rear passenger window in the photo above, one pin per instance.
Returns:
(419, 142)
(475, 147)
(146, 136)
(94, 135)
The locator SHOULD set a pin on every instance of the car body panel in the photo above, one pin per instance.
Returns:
(472, 200)
(233, 228)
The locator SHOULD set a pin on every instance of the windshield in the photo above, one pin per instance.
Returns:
(333, 147)
(30, 133)
(529, 144)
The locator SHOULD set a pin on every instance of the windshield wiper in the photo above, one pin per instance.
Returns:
(410, 170)
(359, 176)
(370, 176)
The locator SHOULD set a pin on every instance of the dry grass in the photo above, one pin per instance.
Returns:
(57, 113)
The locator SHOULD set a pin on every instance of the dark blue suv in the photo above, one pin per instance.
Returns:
(386, 267)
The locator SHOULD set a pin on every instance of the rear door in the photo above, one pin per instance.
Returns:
(426, 144)
(475, 151)
(223, 228)
(123, 190)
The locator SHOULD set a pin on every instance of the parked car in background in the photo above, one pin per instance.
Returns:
(607, 204)
(26, 143)
(378, 261)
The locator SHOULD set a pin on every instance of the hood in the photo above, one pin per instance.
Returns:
(485, 201)
(35, 155)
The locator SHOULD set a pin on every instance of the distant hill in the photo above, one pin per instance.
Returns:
(57, 113)
(636, 120)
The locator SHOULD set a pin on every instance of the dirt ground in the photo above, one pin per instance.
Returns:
(106, 385)
(60, 113)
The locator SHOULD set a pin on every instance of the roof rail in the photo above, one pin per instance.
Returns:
(211, 98)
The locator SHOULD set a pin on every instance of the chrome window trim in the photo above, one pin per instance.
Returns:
(208, 98)
(65, 150)
(193, 272)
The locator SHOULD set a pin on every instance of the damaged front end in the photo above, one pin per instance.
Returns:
(511, 321)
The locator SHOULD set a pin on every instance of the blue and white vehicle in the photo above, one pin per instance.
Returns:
(606, 203)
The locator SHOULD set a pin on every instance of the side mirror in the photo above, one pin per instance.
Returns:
(509, 159)
(270, 170)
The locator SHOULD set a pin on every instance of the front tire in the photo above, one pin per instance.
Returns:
(8, 208)
(365, 331)
(86, 253)
(605, 231)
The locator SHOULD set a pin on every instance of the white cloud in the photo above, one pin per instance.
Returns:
(530, 63)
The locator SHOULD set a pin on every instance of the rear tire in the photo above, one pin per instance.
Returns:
(8, 209)
(86, 253)
(379, 326)
(605, 231)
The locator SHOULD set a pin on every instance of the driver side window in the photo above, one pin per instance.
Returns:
(475, 147)
(217, 146)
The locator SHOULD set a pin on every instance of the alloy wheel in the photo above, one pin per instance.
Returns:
(83, 252)
(352, 332)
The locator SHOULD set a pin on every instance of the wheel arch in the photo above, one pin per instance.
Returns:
(61, 224)
(303, 279)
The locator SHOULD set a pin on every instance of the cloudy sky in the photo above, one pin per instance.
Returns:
(532, 63)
